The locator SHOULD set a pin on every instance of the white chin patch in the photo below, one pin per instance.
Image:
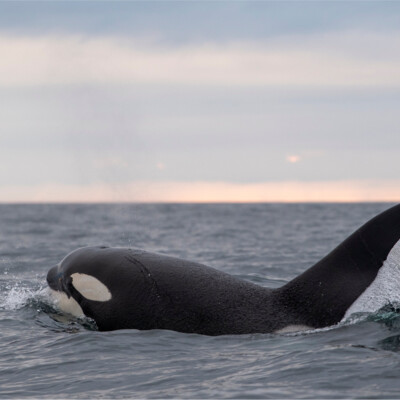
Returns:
(90, 287)
(65, 304)
(385, 288)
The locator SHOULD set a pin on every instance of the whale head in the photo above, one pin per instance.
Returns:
(77, 284)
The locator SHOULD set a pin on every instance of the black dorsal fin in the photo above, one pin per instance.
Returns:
(321, 295)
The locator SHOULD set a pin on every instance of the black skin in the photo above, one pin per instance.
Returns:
(153, 291)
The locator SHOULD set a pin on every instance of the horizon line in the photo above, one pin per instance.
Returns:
(184, 202)
(168, 192)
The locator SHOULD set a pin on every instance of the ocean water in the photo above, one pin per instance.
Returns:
(44, 354)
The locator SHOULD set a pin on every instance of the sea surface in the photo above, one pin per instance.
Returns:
(44, 354)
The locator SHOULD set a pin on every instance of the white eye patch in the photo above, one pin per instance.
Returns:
(90, 287)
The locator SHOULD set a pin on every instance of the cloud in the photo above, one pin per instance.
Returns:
(146, 191)
(345, 59)
(107, 162)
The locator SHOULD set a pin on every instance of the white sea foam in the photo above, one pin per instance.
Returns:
(385, 289)
(19, 296)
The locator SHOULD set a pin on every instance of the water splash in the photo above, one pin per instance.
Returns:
(19, 296)
(384, 290)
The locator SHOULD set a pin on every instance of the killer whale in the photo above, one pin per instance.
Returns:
(123, 288)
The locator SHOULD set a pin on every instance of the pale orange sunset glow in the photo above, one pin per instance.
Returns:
(203, 192)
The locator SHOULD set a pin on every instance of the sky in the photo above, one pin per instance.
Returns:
(204, 101)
